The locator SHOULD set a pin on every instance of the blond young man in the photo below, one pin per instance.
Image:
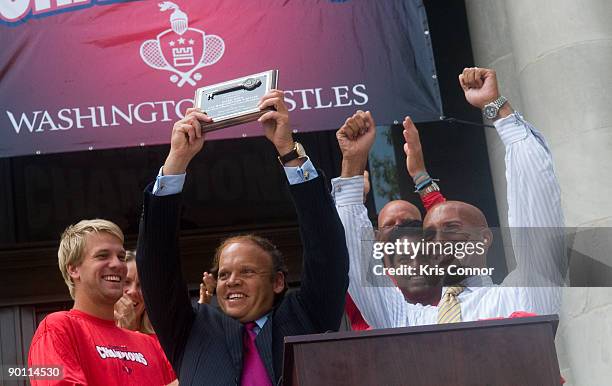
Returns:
(85, 341)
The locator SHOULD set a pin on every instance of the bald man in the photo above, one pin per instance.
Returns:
(533, 199)
(395, 213)
(457, 221)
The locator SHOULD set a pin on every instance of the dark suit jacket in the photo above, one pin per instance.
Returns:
(205, 346)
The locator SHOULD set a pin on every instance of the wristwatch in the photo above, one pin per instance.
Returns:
(297, 152)
(491, 110)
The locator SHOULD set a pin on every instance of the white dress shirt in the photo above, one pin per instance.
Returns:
(533, 201)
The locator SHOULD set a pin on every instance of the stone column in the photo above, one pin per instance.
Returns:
(554, 61)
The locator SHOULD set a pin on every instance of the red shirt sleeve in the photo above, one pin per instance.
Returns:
(431, 199)
(48, 348)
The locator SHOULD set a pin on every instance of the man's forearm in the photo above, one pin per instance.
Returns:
(325, 273)
(532, 183)
(175, 165)
(160, 274)
(378, 303)
(505, 111)
(352, 167)
(534, 202)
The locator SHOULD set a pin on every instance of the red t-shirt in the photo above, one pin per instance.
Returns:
(94, 351)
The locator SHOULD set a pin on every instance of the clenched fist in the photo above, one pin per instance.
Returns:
(479, 86)
(355, 139)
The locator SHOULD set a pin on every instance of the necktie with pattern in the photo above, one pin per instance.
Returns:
(449, 309)
(253, 370)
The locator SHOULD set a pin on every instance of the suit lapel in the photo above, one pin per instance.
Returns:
(264, 347)
(233, 336)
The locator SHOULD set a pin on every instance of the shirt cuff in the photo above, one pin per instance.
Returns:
(299, 174)
(512, 128)
(348, 191)
(167, 185)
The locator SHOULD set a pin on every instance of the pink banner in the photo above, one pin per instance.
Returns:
(78, 75)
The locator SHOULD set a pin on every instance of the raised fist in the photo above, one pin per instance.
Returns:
(355, 138)
(479, 86)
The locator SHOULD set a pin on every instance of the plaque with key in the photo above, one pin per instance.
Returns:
(235, 101)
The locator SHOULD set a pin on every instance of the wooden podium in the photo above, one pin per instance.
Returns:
(518, 351)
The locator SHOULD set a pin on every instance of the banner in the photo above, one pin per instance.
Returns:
(86, 74)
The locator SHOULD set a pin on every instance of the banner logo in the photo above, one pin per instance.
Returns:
(180, 49)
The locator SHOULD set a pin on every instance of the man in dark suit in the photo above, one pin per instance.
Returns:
(242, 343)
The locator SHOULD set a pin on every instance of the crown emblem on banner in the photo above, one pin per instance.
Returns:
(180, 49)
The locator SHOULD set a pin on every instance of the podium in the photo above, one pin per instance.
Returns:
(518, 351)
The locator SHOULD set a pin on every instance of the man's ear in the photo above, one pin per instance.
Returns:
(279, 282)
(73, 271)
(487, 237)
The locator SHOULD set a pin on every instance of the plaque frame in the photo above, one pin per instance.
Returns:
(248, 114)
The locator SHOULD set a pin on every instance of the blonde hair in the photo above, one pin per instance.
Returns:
(130, 255)
(72, 244)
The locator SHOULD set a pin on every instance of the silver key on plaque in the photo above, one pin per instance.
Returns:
(235, 101)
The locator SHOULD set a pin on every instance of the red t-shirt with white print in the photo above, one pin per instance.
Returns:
(93, 351)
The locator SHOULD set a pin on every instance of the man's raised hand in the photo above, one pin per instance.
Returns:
(127, 315)
(186, 141)
(479, 86)
(276, 122)
(207, 288)
(415, 162)
(355, 138)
